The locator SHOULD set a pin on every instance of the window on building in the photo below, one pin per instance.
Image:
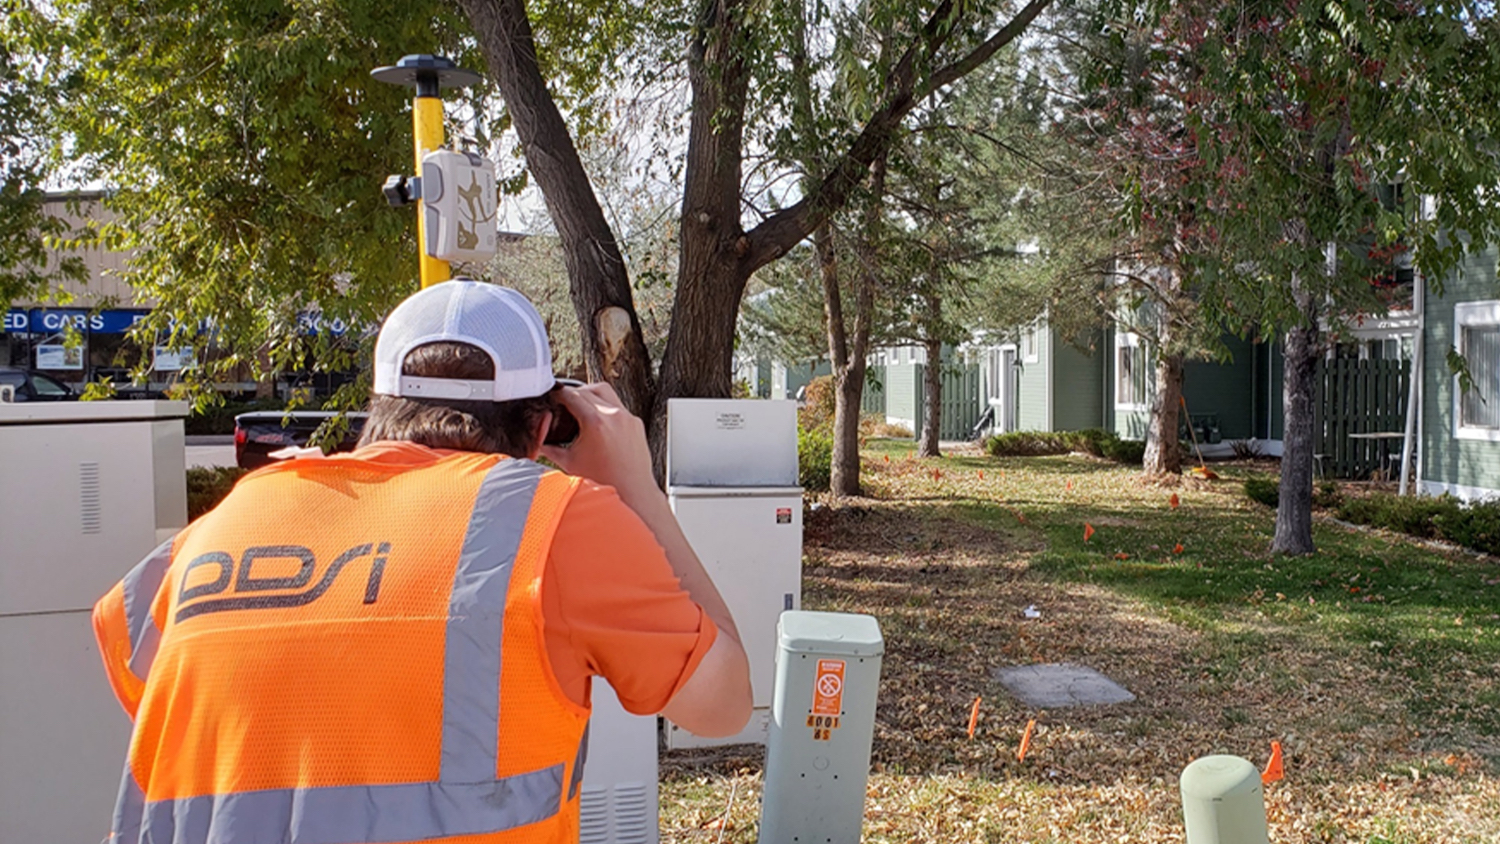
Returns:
(1477, 338)
(1130, 372)
(996, 366)
(1029, 344)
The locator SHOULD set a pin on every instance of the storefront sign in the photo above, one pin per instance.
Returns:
(54, 320)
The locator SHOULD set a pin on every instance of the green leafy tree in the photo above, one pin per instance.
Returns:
(923, 227)
(26, 267)
(1301, 115)
(243, 142)
(737, 78)
(1134, 153)
(243, 145)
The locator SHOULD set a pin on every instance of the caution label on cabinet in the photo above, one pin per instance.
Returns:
(783, 515)
(828, 689)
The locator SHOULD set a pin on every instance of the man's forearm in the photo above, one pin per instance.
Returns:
(652, 506)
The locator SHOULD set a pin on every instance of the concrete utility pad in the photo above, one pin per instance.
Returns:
(1061, 684)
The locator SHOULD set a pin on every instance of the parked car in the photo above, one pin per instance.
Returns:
(260, 432)
(30, 385)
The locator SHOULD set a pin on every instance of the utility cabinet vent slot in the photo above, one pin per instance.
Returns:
(90, 507)
(618, 814)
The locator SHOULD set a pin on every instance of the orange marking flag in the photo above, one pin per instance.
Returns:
(974, 716)
(1088, 531)
(1070, 484)
(1174, 501)
(1274, 770)
(1177, 549)
(1025, 741)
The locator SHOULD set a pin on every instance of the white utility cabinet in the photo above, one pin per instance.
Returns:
(87, 490)
(732, 480)
(618, 804)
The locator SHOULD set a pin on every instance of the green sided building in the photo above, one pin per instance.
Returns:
(1459, 441)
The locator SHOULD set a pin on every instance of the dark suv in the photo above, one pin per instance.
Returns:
(260, 432)
(30, 385)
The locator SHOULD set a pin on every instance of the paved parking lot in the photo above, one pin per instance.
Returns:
(210, 451)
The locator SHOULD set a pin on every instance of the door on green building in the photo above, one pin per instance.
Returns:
(1001, 386)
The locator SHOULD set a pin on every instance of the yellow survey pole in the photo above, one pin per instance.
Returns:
(427, 132)
(428, 75)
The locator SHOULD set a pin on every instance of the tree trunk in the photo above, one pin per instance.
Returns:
(847, 392)
(1294, 510)
(1163, 451)
(932, 411)
(597, 278)
(849, 348)
(713, 263)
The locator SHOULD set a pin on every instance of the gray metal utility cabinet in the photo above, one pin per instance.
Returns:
(822, 723)
(87, 489)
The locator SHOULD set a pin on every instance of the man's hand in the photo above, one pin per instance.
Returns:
(611, 447)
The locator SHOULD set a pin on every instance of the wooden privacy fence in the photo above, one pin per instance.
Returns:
(1359, 397)
(961, 401)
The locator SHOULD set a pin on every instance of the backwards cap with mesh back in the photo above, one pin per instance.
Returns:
(496, 319)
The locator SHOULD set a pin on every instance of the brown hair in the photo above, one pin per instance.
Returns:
(507, 427)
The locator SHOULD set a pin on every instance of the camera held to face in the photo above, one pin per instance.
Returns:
(564, 428)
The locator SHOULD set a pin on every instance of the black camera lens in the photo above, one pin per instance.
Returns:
(564, 428)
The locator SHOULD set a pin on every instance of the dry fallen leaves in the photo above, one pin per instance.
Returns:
(947, 588)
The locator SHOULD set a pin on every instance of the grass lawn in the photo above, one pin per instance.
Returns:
(1376, 662)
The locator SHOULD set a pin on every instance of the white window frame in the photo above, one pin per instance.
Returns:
(1467, 314)
(1125, 340)
(1031, 345)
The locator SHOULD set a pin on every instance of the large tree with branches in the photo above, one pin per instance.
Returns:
(1300, 116)
(733, 56)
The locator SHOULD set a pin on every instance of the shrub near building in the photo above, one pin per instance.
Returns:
(1475, 526)
(1093, 441)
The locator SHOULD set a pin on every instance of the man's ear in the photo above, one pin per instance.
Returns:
(539, 435)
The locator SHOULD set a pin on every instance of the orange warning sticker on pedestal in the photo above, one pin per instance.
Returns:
(828, 690)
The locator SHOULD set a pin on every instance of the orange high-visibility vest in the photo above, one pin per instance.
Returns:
(349, 651)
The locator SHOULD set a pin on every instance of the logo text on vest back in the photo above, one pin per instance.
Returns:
(245, 591)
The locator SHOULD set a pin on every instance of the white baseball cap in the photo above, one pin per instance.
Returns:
(496, 319)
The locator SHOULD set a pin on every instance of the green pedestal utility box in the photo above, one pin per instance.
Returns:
(1223, 802)
(822, 723)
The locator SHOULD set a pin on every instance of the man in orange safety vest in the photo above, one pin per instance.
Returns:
(396, 644)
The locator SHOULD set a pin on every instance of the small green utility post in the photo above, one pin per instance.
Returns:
(428, 75)
(1223, 802)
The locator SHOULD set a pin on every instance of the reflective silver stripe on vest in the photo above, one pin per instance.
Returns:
(345, 814)
(471, 662)
(578, 762)
(141, 586)
(130, 809)
(467, 799)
